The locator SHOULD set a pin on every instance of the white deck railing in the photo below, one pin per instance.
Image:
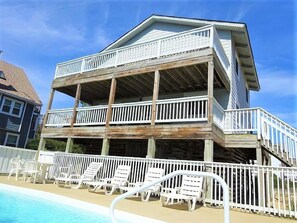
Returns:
(59, 117)
(179, 43)
(182, 109)
(92, 115)
(276, 135)
(170, 110)
(271, 190)
(131, 113)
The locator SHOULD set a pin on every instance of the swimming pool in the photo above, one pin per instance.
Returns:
(22, 205)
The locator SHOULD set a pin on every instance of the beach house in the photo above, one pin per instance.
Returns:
(170, 88)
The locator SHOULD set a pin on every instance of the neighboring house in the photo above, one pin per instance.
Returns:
(19, 106)
(174, 88)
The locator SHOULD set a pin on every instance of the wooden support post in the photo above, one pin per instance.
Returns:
(49, 105)
(260, 176)
(41, 147)
(77, 98)
(105, 147)
(110, 101)
(151, 148)
(259, 154)
(69, 145)
(155, 96)
(208, 157)
(210, 91)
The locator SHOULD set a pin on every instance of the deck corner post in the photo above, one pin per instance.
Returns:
(105, 147)
(41, 147)
(110, 101)
(208, 157)
(49, 106)
(69, 145)
(155, 97)
(76, 103)
(151, 148)
(210, 91)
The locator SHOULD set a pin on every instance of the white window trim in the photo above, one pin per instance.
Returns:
(12, 106)
(12, 134)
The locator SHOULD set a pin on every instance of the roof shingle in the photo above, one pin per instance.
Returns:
(16, 83)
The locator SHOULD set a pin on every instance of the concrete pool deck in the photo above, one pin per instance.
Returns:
(153, 208)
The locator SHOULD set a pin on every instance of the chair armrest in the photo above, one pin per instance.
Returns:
(74, 176)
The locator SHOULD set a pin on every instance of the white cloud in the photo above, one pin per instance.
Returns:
(41, 26)
(279, 83)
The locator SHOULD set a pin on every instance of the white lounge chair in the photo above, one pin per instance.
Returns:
(16, 167)
(190, 191)
(151, 175)
(32, 169)
(120, 178)
(89, 175)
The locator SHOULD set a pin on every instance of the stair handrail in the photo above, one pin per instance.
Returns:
(173, 174)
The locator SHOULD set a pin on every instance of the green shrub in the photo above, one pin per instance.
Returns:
(54, 145)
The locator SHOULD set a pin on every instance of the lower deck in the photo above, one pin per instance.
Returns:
(181, 142)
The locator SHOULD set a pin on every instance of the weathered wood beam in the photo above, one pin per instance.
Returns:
(111, 100)
(167, 83)
(185, 79)
(210, 92)
(155, 96)
(176, 81)
(77, 98)
(49, 106)
(195, 78)
(178, 131)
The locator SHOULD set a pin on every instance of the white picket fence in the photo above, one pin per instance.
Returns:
(7, 153)
(195, 39)
(270, 190)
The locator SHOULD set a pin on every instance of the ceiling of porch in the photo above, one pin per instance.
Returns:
(172, 81)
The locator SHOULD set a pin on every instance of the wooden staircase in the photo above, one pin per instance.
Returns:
(279, 139)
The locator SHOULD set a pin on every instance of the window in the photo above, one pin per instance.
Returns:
(2, 74)
(11, 107)
(11, 140)
(247, 94)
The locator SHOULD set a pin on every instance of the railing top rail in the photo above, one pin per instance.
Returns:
(170, 100)
(171, 175)
(91, 107)
(60, 110)
(137, 103)
(255, 166)
(138, 44)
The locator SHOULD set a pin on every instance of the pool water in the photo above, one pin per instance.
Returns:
(19, 208)
(22, 205)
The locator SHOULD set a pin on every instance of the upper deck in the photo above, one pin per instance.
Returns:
(188, 41)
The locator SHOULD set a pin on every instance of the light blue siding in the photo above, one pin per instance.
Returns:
(156, 31)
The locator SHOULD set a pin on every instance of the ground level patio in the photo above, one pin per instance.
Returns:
(153, 208)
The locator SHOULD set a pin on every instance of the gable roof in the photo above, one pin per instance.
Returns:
(239, 34)
(16, 83)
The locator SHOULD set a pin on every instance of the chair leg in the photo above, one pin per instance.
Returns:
(10, 174)
(145, 196)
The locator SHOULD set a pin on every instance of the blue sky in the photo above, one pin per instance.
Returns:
(36, 35)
